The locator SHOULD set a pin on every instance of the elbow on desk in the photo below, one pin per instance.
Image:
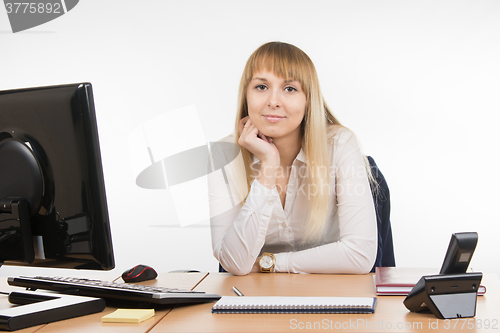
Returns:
(366, 265)
(233, 267)
(362, 268)
(361, 262)
(237, 270)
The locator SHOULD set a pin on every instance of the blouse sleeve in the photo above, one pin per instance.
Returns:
(238, 229)
(356, 250)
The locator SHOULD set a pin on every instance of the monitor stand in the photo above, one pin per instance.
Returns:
(16, 239)
(37, 308)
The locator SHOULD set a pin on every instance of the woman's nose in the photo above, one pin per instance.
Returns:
(274, 100)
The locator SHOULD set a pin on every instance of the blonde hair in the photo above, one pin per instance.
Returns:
(289, 62)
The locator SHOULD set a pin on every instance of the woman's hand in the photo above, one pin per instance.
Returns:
(262, 147)
(257, 143)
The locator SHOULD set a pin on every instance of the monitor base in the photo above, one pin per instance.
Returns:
(39, 308)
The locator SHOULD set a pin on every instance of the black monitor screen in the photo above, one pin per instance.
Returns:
(50, 164)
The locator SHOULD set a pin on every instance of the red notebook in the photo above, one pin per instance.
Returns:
(400, 280)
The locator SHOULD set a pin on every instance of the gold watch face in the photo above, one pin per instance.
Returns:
(266, 262)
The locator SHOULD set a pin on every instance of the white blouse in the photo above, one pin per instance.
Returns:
(243, 230)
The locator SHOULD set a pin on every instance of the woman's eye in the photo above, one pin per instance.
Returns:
(290, 89)
(260, 87)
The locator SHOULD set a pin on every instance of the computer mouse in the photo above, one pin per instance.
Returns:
(139, 273)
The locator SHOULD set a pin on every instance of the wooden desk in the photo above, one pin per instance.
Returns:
(390, 314)
(92, 323)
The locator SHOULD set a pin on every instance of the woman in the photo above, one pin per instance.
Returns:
(305, 203)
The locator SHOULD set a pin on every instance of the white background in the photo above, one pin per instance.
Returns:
(417, 81)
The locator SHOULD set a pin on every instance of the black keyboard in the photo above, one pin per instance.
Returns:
(113, 290)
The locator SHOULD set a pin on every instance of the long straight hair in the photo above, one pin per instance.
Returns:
(289, 62)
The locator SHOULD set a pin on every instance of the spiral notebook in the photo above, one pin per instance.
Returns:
(280, 304)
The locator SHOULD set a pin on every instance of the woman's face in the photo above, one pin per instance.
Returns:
(276, 106)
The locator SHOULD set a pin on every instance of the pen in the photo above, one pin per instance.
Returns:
(237, 292)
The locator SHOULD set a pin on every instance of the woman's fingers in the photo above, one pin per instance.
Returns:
(246, 127)
(265, 138)
(257, 143)
(243, 122)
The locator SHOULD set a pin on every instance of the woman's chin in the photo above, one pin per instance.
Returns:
(266, 131)
(274, 131)
(270, 134)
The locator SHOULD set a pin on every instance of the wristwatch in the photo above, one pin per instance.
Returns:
(267, 262)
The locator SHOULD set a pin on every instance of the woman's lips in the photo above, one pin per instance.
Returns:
(273, 118)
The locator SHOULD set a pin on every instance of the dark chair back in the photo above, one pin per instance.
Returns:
(382, 201)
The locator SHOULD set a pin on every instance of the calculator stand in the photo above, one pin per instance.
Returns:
(446, 296)
(39, 308)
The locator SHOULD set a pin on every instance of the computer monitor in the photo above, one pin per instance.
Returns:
(53, 210)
